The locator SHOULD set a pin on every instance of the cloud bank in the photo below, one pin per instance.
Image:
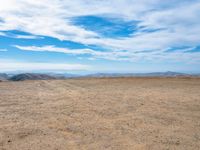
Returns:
(159, 26)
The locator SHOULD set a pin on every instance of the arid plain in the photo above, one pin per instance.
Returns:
(102, 114)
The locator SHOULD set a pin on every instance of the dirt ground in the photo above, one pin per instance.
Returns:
(102, 114)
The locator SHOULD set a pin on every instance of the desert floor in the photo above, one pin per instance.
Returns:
(103, 114)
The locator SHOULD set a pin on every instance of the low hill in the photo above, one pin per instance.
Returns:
(32, 76)
(3, 77)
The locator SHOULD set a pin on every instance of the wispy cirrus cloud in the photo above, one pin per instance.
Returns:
(165, 54)
(52, 48)
(110, 55)
(3, 50)
(10, 34)
(8, 65)
(26, 37)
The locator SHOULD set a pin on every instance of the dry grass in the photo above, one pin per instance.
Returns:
(118, 114)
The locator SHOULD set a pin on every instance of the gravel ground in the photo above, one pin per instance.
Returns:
(102, 114)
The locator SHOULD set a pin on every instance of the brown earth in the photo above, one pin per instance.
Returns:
(102, 114)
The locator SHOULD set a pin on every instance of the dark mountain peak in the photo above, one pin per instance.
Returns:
(31, 76)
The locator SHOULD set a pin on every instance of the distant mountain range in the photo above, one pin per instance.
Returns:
(53, 76)
(153, 74)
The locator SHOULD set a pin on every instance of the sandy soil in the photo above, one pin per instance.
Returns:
(104, 114)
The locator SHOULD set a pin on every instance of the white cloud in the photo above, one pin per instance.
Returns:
(3, 50)
(28, 66)
(20, 36)
(156, 56)
(27, 37)
(179, 19)
(2, 34)
(51, 48)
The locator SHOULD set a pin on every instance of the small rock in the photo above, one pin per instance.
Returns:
(9, 141)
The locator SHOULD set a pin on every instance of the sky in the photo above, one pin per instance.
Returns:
(84, 36)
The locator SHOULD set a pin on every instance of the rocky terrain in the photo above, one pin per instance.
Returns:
(101, 114)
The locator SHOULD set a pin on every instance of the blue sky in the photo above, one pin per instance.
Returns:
(84, 36)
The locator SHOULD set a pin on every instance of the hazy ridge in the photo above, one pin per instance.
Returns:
(53, 76)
